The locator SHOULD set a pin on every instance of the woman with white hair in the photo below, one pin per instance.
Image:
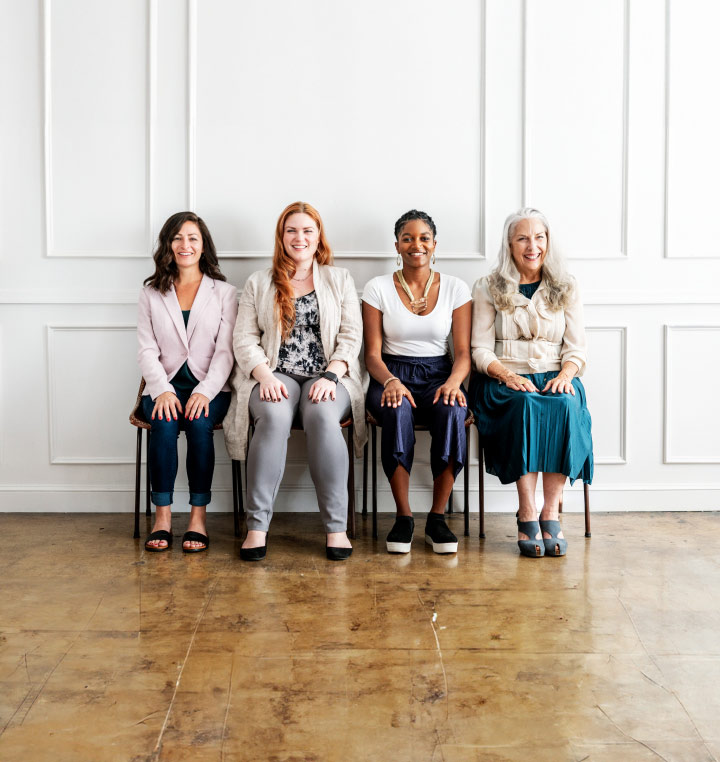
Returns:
(528, 344)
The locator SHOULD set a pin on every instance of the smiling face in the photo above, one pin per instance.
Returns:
(300, 239)
(528, 246)
(416, 244)
(187, 246)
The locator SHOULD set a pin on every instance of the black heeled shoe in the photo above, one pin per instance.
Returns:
(338, 554)
(254, 554)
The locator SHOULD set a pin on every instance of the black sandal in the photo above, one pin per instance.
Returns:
(161, 534)
(195, 537)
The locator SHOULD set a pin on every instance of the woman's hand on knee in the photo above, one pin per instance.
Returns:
(394, 393)
(273, 390)
(167, 406)
(450, 393)
(322, 389)
(197, 404)
(561, 383)
(519, 383)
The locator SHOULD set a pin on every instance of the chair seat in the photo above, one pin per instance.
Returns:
(370, 418)
(137, 417)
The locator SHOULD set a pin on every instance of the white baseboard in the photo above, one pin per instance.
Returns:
(610, 497)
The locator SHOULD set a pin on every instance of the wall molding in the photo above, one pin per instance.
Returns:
(55, 458)
(385, 488)
(625, 126)
(668, 144)
(621, 458)
(100, 296)
(150, 128)
(668, 457)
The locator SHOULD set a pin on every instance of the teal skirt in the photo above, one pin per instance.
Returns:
(525, 432)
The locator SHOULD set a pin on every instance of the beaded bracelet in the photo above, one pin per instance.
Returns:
(392, 378)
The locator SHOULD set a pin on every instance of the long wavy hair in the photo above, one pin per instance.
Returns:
(283, 267)
(504, 280)
(166, 270)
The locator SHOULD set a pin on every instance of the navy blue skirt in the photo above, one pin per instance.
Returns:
(527, 432)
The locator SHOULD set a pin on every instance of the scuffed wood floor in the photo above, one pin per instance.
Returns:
(111, 653)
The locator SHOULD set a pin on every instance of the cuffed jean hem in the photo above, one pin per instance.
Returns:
(161, 498)
(200, 498)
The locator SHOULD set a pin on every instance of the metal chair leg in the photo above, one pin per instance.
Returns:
(365, 476)
(586, 494)
(466, 489)
(148, 507)
(481, 488)
(373, 467)
(138, 458)
(351, 483)
(237, 495)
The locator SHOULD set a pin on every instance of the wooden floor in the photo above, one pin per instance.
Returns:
(111, 653)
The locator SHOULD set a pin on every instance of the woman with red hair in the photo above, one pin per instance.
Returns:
(296, 340)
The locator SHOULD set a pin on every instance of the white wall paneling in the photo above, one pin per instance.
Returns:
(575, 109)
(692, 409)
(99, 122)
(91, 369)
(606, 386)
(349, 129)
(692, 160)
(602, 114)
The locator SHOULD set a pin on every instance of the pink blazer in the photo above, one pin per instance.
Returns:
(164, 344)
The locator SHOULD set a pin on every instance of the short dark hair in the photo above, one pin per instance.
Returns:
(165, 268)
(414, 214)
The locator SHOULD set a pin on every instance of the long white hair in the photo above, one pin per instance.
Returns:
(503, 281)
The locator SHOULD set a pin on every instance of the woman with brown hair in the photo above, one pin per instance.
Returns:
(297, 339)
(186, 313)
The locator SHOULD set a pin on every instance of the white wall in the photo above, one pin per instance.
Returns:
(116, 114)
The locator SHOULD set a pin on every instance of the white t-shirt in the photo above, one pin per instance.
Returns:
(405, 333)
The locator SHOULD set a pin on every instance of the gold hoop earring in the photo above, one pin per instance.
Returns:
(399, 261)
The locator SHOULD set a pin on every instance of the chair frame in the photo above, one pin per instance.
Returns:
(374, 424)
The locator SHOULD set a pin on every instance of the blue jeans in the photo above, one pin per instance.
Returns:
(163, 456)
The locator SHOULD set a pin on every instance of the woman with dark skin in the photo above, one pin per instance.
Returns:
(407, 318)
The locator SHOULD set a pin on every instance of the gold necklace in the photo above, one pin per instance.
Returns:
(416, 305)
(302, 280)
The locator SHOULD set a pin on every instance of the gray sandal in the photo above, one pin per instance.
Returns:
(530, 548)
(554, 545)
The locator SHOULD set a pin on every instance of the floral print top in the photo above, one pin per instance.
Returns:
(302, 352)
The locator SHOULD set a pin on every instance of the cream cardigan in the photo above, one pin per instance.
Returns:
(257, 339)
(531, 338)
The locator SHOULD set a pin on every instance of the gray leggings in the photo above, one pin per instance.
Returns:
(327, 452)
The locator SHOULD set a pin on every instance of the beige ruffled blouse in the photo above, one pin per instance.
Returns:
(530, 338)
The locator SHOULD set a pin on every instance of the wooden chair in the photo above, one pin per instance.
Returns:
(481, 493)
(346, 424)
(137, 419)
(373, 424)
